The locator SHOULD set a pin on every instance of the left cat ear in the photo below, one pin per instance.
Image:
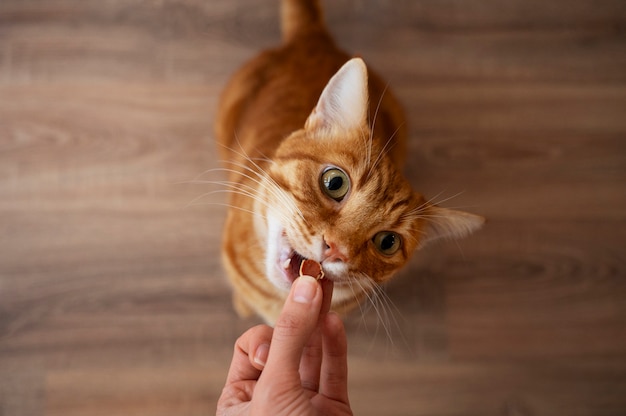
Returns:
(344, 101)
(444, 223)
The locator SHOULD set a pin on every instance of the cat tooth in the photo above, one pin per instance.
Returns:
(287, 263)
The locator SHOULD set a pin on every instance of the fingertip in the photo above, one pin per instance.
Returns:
(260, 356)
(305, 289)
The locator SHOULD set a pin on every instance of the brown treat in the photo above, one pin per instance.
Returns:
(311, 268)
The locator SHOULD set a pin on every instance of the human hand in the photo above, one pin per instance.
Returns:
(299, 367)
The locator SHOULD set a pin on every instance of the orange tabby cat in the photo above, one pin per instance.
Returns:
(311, 178)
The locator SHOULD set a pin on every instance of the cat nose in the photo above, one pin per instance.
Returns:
(333, 253)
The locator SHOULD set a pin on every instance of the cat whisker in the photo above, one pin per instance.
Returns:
(425, 204)
(433, 201)
(420, 212)
(373, 125)
(362, 310)
(386, 149)
(364, 307)
(288, 202)
(195, 201)
(372, 292)
(387, 300)
(214, 192)
(275, 189)
(244, 190)
(259, 172)
(223, 204)
(448, 198)
(394, 313)
(262, 181)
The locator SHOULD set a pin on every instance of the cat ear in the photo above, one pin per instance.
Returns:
(344, 102)
(444, 223)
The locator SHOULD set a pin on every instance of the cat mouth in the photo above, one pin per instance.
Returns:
(289, 263)
(289, 260)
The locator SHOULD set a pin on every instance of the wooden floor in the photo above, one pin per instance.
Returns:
(112, 296)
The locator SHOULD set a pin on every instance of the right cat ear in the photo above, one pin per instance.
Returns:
(343, 103)
(444, 223)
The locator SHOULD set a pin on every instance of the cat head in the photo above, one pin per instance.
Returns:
(333, 195)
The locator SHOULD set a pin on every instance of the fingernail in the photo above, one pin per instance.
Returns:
(306, 286)
(260, 356)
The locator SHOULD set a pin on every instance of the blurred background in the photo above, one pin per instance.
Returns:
(112, 297)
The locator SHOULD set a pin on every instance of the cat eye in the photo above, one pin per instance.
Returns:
(387, 242)
(335, 183)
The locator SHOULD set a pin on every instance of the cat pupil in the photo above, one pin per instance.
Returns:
(388, 242)
(335, 183)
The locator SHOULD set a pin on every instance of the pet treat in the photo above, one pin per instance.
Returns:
(311, 268)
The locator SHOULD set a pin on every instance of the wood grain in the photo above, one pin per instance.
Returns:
(112, 296)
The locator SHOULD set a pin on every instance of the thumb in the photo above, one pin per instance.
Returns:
(294, 326)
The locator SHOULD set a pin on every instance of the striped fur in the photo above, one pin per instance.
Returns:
(280, 124)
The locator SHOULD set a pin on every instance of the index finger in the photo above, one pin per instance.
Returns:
(294, 327)
(311, 360)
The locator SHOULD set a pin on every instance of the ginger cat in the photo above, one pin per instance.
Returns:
(314, 144)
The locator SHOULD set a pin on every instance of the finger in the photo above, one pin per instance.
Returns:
(334, 371)
(327, 289)
(248, 354)
(311, 361)
(294, 326)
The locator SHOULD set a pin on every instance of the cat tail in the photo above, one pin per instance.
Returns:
(299, 17)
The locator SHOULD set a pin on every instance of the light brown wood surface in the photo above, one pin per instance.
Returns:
(112, 297)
